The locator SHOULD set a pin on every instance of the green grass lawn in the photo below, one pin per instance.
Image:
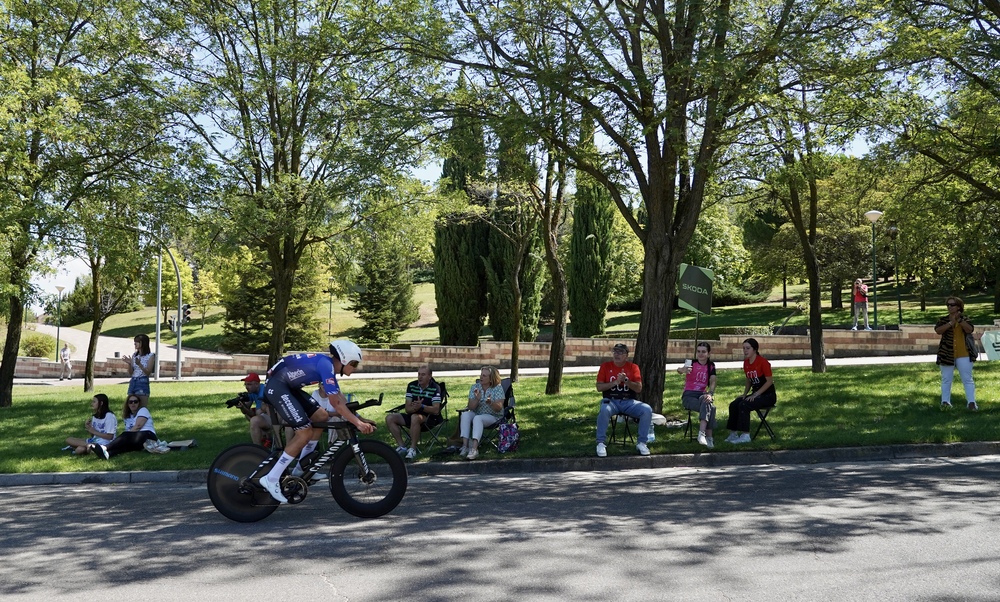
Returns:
(845, 407)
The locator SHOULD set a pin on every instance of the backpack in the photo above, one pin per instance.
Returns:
(508, 437)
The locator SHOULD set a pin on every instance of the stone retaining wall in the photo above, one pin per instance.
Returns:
(909, 340)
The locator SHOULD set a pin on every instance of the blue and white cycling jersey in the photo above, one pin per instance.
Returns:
(302, 369)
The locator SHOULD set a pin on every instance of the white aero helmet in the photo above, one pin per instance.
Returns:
(345, 351)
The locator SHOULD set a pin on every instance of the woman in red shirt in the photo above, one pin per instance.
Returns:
(759, 385)
(859, 293)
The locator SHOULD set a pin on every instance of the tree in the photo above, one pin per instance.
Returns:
(590, 264)
(383, 292)
(460, 250)
(79, 110)
(664, 82)
(301, 106)
(249, 304)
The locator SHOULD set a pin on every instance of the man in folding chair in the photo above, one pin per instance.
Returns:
(423, 406)
(621, 383)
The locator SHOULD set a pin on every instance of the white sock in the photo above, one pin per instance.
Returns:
(279, 467)
(308, 449)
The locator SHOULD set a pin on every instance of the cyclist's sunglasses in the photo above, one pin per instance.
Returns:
(353, 363)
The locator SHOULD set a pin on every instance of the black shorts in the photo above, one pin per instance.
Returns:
(432, 420)
(293, 405)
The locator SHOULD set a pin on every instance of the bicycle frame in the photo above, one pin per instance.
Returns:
(347, 433)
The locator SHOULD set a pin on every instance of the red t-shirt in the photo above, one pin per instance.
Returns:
(756, 371)
(861, 293)
(609, 370)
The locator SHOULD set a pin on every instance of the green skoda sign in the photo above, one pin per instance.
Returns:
(695, 286)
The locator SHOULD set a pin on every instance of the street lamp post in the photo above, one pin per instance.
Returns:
(893, 234)
(873, 217)
(58, 318)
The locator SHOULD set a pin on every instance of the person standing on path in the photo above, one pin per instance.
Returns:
(956, 350)
(67, 366)
(859, 294)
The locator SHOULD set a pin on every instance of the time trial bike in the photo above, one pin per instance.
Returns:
(367, 477)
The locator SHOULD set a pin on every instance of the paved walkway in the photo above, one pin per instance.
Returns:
(107, 346)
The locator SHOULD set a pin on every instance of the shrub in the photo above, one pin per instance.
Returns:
(37, 345)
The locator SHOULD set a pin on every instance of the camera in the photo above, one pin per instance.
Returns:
(240, 399)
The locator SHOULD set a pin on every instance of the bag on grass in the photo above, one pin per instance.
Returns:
(508, 437)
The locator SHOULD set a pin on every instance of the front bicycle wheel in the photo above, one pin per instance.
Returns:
(227, 487)
(373, 492)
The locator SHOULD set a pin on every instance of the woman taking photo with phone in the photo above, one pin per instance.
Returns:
(956, 350)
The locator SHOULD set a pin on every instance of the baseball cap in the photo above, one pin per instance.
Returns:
(251, 378)
(620, 347)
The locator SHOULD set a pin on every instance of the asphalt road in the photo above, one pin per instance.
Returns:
(905, 530)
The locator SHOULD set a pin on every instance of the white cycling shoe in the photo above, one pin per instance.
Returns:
(274, 489)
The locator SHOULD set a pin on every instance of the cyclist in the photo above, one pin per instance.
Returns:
(298, 409)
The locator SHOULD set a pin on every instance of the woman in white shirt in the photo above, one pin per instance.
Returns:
(141, 365)
(102, 426)
(138, 430)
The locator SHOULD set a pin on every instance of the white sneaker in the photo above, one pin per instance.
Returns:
(854, 327)
(402, 449)
(744, 438)
(274, 489)
(463, 452)
(710, 443)
(868, 327)
(472, 455)
(412, 453)
(702, 440)
(602, 450)
(732, 437)
(643, 449)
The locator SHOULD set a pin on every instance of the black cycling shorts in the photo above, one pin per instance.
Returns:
(293, 405)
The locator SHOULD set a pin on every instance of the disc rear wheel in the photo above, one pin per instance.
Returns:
(227, 487)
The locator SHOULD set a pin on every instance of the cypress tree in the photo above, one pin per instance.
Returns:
(515, 266)
(590, 252)
(460, 245)
(466, 158)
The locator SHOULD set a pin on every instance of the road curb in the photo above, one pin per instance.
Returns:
(876, 453)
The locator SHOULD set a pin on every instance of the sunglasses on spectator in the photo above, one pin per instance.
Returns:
(953, 305)
(131, 401)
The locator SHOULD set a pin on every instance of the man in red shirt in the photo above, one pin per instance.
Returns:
(621, 383)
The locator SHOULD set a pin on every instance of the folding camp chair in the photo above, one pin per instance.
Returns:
(490, 432)
(627, 421)
(762, 414)
(436, 432)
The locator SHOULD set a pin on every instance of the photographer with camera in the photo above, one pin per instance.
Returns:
(250, 403)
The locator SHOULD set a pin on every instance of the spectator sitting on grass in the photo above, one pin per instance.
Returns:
(102, 426)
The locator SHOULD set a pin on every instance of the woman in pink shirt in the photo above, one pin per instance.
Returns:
(699, 389)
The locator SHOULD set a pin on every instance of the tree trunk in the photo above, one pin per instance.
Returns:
(557, 352)
(284, 276)
(515, 344)
(13, 343)
(88, 369)
(654, 324)
(815, 313)
(837, 296)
